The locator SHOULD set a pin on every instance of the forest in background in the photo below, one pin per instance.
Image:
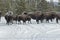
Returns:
(18, 6)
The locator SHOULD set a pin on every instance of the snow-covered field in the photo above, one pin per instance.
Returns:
(42, 31)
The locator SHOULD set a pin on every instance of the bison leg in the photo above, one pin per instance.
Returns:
(51, 20)
(24, 21)
(19, 22)
(57, 20)
(7, 22)
(41, 20)
(37, 21)
(47, 20)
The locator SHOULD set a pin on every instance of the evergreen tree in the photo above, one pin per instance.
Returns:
(20, 7)
(59, 6)
(43, 6)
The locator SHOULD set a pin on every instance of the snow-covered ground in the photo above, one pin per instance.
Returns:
(42, 31)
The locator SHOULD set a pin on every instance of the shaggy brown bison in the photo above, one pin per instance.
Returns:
(28, 18)
(57, 16)
(37, 16)
(49, 16)
(19, 18)
(24, 18)
(9, 17)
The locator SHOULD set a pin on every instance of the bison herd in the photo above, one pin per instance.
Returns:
(38, 16)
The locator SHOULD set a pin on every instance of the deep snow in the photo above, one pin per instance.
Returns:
(42, 31)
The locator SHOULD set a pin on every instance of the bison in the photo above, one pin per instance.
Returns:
(57, 16)
(9, 17)
(24, 18)
(49, 16)
(28, 18)
(37, 16)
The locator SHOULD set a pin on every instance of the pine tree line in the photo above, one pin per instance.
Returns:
(18, 6)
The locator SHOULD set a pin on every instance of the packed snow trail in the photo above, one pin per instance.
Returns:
(42, 31)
